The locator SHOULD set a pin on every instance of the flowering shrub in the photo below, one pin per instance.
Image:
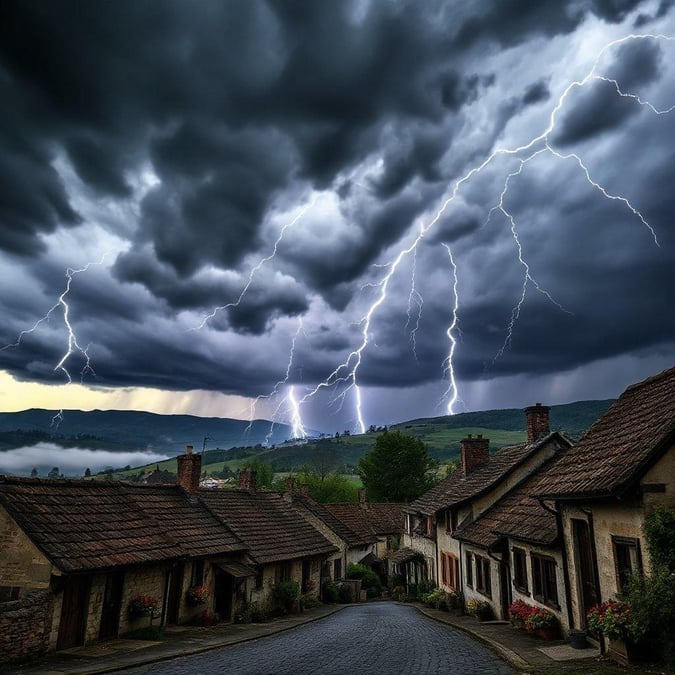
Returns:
(197, 595)
(144, 605)
(519, 611)
(613, 619)
(540, 618)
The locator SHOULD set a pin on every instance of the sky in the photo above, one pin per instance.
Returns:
(335, 213)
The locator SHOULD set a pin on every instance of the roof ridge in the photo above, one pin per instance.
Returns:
(664, 374)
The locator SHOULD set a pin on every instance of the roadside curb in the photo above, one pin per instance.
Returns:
(504, 652)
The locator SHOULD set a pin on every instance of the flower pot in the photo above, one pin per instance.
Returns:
(578, 639)
(548, 632)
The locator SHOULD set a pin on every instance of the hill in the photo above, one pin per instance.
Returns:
(441, 435)
(121, 430)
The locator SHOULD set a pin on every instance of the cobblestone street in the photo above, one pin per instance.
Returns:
(372, 639)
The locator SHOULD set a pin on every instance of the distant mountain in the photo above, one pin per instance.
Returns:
(119, 430)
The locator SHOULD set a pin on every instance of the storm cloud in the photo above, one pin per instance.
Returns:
(246, 174)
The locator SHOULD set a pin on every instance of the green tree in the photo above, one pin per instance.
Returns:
(327, 487)
(397, 469)
(264, 473)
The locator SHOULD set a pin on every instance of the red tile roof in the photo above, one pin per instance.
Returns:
(621, 445)
(269, 526)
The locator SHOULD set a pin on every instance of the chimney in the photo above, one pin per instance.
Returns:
(291, 488)
(537, 422)
(304, 489)
(473, 452)
(247, 479)
(189, 470)
(362, 497)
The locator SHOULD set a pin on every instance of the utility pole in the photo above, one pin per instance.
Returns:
(206, 438)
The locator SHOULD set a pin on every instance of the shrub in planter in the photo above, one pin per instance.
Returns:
(614, 620)
(519, 610)
(144, 605)
(345, 593)
(370, 582)
(331, 592)
(481, 609)
(286, 594)
(539, 619)
(455, 601)
(197, 595)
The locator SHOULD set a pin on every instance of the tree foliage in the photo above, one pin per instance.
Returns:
(396, 469)
(327, 488)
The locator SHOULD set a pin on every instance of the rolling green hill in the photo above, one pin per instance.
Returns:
(441, 435)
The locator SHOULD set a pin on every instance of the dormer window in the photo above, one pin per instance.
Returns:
(450, 520)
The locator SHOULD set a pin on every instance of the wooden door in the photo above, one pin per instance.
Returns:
(112, 605)
(175, 584)
(223, 590)
(73, 612)
(586, 569)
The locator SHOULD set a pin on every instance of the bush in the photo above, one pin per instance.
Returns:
(346, 593)
(331, 592)
(286, 593)
(481, 609)
(370, 582)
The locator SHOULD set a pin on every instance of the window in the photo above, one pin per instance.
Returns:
(197, 578)
(450, 570)
(337, 569)
(429, 526)
(544, 584)
(9, 593)
(520, 570)
(468, 559)
(483, 581)
(282, 572)
(450, 520)
(627, 559)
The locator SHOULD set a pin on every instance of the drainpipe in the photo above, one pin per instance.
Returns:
(566, 572)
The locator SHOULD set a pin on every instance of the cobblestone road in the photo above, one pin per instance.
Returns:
(371, 639)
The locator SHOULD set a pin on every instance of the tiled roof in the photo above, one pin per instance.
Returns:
(620, 445)
(195, 528)
(457, 487)
(320, 511)
(517, 514)
(370, 520)
(269, 526)
(85, 525)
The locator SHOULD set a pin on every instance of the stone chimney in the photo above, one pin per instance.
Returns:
(291, 485)
(189, 470)
(363, 499)
(247, 479)
(537, 422)
(473, 452)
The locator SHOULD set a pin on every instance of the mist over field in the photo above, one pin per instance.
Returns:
(72, 462)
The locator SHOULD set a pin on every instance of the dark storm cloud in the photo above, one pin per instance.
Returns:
(235, 112)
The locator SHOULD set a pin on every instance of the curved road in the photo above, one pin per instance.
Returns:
(374, 639)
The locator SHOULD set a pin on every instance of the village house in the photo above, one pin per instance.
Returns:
(76, 553)
(433, 548)
(603, 487)
(377, 531)
(281, 545)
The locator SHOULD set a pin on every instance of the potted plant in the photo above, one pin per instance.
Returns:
(481, 609)
(519, 610)
(287, 593)
(614, 620)
(543, 622)
(144, 605)
(197, 595)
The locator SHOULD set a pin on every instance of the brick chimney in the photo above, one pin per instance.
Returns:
(537, 422)
(363, 499)
(473, 452)
(247, 479)
(291, 485)
(189, 470)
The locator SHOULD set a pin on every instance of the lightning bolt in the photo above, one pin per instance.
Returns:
(452, 393)
(256, 268)
(73, 344)
(414, 298)
(347, 372)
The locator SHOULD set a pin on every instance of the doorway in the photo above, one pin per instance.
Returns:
(112, 604)
(224, 587)
(586, 569)
(174, 594)
(73, 612)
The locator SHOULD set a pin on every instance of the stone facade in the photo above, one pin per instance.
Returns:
(25, 626)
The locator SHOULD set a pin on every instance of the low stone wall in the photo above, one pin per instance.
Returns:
(25, 626)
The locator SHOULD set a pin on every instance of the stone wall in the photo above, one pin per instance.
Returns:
(25, 626)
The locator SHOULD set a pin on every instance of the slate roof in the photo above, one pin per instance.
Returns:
(85, 525)
(621, 445)
(269, 526)
(369, 520)
(458, 488)
(518, 514)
